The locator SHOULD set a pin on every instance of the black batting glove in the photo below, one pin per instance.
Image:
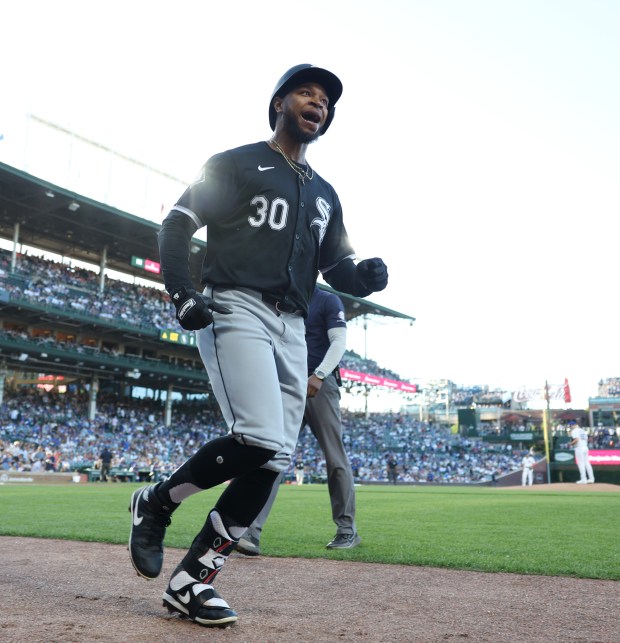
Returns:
(194, 309)
(372, 274)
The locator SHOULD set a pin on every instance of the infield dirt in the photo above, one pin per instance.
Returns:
(52, 590)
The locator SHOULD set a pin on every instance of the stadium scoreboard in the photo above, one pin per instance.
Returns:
(146, 264)
(176, 337)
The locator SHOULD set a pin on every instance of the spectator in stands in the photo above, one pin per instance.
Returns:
(50, 461)
(38, 456)
(16, 450)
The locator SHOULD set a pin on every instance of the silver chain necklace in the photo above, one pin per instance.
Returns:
(301, 172)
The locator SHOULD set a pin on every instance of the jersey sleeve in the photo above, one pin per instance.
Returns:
(210, 196)
(334, 313)
(336, 245)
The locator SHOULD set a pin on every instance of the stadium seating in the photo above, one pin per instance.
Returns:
(51, 432)
(53, 429)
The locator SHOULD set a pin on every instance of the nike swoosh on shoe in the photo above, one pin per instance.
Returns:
(137, 520)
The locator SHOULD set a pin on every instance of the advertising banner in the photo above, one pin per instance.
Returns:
(377, 380)
(608, 457)
(597, 457)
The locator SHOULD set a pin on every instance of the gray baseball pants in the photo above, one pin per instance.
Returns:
(256, 360)
(322, 415)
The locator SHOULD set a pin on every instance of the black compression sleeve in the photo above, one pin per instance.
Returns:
(343, 277)
(174, 240)
(215, 462)
(245, 496)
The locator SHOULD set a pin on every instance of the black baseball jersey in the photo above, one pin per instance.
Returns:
(267, 230)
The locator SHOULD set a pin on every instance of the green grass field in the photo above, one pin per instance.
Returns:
(537, 531)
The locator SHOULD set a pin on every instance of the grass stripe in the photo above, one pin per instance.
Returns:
(534, 531)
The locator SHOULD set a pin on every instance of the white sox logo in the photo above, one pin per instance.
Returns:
(322, 221)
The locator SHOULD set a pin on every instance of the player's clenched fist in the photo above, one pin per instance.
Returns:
(373, 274)
(194, 309)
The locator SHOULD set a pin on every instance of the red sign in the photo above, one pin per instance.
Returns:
(152, 266)
(377, 380)
(608, 457)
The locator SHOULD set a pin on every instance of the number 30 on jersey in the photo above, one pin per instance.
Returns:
(275, 214)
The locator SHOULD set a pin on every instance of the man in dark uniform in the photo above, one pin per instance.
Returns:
(326, 339)
(105, 460)
(392, 469)
(273, 224)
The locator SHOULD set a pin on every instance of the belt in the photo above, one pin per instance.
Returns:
(280, 305)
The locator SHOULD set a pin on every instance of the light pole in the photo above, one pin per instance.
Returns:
(366, 386)
(546, 431)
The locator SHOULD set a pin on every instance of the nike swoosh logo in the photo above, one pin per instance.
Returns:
(262, 169)
(184, 598)
(137, 520)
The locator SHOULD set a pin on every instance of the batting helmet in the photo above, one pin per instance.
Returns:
(305, 73)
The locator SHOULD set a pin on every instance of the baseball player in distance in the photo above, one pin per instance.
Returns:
(527, 475)
(273, 224)
(580, 443)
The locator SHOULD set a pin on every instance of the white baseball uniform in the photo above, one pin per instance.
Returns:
(581, 455)
(527, 478)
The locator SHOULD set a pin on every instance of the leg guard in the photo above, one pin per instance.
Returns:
(219, 460)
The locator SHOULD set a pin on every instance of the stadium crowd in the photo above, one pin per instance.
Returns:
(355, 362)
(609, 387)
(49, 431)
(51, 283)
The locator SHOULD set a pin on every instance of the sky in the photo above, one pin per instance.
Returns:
(475, 149)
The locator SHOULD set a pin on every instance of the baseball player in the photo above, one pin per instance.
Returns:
(326, 340)
(580, 444)
(273, 224)
(300, 470)
(527, 477)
